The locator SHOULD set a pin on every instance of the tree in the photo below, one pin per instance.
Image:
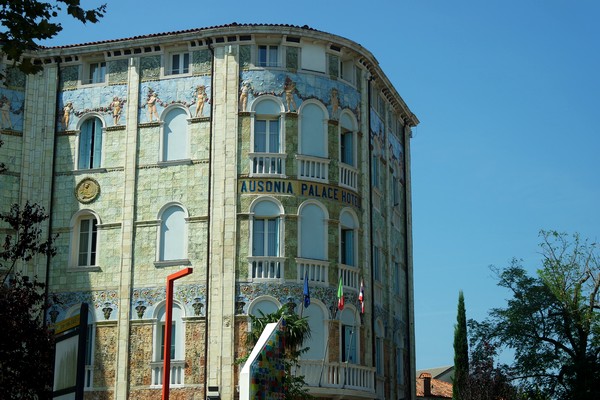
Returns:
(296, 332)
(552, 321)
(27, 351)
(461, 351)
(26, 22)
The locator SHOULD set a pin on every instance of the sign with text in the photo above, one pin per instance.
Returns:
(299, 188)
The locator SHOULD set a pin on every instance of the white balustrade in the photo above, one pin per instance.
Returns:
(268, 164)
(266, 267)
(317, 270)
(350, 278)
(177, 370)
(337, 375)
(313, 168)
(348, 176)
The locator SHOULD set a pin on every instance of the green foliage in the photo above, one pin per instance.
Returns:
(26, 350)
(25, 22)
(26, 239)
(552, 321)
(296, 332)
(461, 351)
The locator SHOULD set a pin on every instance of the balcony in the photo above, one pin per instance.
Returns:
(317, 270)
(350, 278)
(267, 164)
(348, 177)
(266, 268)
(313, 168)
(321, 378)
(177, 368)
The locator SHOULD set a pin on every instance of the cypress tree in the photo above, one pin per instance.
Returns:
(461, 352)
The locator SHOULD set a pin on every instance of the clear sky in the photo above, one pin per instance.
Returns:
(508, 95)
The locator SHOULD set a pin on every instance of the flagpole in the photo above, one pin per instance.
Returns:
(335, 311)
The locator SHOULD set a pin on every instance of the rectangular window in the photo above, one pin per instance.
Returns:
(162, 342)
(379, 355)
(376, 172)
(265, 237)
(347, 70)
(347, 148)
(397, 282)
(347, 246)
(180, 63)
(90, 144)
(349, 344)
(97, 73)
(268, 56)
(266, 136)
(376, 266)
(395, 191)
(87, 242)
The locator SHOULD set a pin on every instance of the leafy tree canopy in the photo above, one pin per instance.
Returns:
(26, 350)
(552, 320)
(26, 22)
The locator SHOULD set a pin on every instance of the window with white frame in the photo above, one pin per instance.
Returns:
(376, 172)
(349, 336)
(176, 349)
(348, 238)
(313, 231)
(175, 135)
(265, 262)
(347, 140)
(379, 348)
(347, 72)
(84, 239)
(90, 144)
(96, 72)
(267, 157)
(263, 306)
(179, 63)
(377, 263)
(399, 360)
(172, 244)
(268, 55)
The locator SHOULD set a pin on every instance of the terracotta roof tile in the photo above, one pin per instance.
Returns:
(233, 24)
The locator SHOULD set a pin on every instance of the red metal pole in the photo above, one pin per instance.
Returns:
(166, 375)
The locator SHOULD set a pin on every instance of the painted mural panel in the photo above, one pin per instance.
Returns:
(191, 92)
(295, 88)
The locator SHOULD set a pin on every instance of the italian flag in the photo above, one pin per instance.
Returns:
(340, 296)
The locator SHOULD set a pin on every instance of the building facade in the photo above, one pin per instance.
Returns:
(259, 156)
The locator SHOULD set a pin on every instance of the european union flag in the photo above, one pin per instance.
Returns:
(306, 292)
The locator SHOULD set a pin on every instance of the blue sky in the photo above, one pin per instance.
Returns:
(508, 95)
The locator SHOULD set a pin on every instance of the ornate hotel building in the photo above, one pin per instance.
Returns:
(254, 154)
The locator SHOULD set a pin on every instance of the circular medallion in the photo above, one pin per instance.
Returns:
(87, 190)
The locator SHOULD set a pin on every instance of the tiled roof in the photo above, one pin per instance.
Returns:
(439, 389)
(232, 25)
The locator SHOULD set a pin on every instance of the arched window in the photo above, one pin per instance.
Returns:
(84, 239)
(348, 239)
(313, 130)
(349, 335)
(176, 351)
(318, 331)
(313, 232)
(265, 305)
(175, 136)
(173, 233)
(89, 154)
(379, 349)
(265, 240)
(267, 139)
